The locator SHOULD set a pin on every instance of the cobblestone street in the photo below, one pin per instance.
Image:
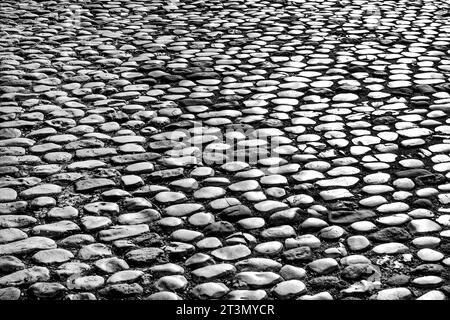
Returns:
(215, 149)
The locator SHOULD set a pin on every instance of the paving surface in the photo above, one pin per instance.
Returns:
(221, 149)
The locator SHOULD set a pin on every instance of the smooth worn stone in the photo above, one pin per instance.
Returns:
(7, 194)
(143, 216)
(102, 208)
(398, 280)
(198, 260)
(9, 264)
(357, 271)
(179, 210)
(318, 296)
(269, 248)
(81, 296)
(292, 272)
(258, 264)
(171, 283)
(11, 235)
(166, 269)
(308, 240)
(231, 253)
(163, 295)
(433, 295)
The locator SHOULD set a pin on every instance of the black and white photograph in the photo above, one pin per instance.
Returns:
(215, 152)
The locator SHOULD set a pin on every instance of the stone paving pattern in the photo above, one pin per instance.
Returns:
(100, 200)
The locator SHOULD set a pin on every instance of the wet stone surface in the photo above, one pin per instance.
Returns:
(212, 149)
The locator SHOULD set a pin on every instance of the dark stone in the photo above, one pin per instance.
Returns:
(203, 75)
(445, 248)
(390, 234)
